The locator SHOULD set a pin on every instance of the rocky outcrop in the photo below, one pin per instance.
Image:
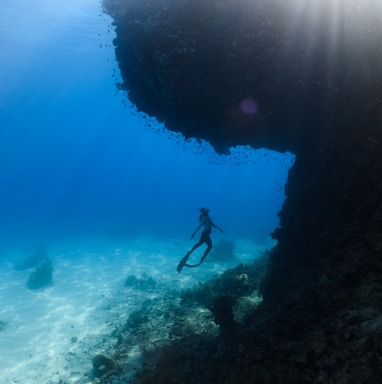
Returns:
(42, 276)
(299, 77)
(266, 73)
(323, 292)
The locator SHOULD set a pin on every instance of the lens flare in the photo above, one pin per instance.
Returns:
(249, 106)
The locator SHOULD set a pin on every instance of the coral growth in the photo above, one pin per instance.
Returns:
(239, 281)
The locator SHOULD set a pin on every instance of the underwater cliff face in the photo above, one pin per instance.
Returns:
(298, 77)
(266, 73)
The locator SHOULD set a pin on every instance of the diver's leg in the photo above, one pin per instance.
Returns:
(198, 244)
(208, 241)
(183, 262)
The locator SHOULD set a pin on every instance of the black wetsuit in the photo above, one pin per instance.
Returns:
(204, 238)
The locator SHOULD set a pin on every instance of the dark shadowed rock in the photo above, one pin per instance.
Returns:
(103, 365)
(3, 325)
(42, 276)
(285, 75)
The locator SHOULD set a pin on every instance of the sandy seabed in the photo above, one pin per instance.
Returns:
(51, 335)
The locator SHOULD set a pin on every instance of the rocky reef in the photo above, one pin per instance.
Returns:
(297, 76)
(169, 340)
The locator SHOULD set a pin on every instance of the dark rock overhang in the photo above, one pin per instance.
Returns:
(265, 73)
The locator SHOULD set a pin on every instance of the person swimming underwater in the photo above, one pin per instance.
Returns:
(207, 223)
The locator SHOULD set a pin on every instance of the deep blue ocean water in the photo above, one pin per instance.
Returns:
(104, 189)
(78, 162)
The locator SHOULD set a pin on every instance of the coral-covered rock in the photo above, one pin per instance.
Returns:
(103, 365)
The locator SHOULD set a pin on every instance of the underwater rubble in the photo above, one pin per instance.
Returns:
(144, 282)
(174, 332)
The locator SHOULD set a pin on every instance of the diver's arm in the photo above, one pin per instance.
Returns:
(197, 229)
(214, 225)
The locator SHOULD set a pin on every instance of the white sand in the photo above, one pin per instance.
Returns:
(51, 335)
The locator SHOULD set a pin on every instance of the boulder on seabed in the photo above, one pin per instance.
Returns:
(42, 277)
(3, 325)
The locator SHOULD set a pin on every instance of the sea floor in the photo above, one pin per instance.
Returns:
(51, 335)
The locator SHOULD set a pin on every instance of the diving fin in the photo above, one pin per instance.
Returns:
(182, 262)
(195, 265)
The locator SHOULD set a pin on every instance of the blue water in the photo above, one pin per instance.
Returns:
(104, 189)
(78, 162)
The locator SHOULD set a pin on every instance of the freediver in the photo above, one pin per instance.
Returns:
(207, 223)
